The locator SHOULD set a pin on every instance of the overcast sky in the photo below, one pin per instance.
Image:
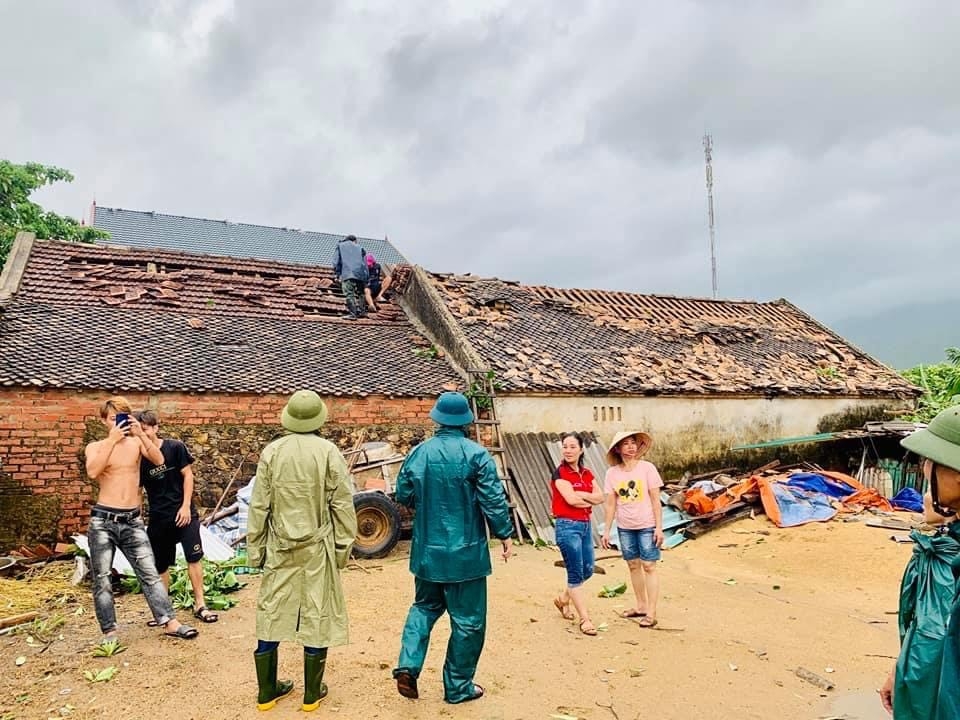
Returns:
(553, 142)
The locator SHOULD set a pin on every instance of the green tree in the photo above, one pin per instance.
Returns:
(940, 383)
(18, 212)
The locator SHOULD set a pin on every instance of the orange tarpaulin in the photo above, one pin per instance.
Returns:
(864, 497)
(698, 502)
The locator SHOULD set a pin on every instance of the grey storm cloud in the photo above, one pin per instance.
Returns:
(547, 142)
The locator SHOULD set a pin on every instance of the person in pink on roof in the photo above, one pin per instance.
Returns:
(377, 283)
(632, 490)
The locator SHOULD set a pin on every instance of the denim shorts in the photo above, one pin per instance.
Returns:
(638, 544)
(575, 540)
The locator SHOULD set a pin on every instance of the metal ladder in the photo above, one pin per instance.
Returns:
(482, 394)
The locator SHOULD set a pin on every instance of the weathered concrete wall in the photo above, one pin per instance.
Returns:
(45, 494)
(688, 432)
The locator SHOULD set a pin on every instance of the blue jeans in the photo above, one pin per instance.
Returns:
(105, 538)
(638, 544)
(575, 541)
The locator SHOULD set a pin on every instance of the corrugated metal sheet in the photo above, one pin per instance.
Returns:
(531, 459)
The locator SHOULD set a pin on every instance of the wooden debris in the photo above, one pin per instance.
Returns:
(17, 619)
(813, 678)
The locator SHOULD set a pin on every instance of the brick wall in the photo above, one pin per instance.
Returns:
(45, 493)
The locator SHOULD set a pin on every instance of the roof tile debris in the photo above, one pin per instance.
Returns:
(92, 316)
(575, 341)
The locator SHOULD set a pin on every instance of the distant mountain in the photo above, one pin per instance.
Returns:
(907, 335)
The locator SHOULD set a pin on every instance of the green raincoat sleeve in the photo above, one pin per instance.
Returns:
(342, 512)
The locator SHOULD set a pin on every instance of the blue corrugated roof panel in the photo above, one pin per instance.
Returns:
(138, 229)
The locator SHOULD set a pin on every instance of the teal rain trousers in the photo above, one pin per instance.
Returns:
(466, 603)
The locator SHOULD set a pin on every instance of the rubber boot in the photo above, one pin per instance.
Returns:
(270, 689)
(314, 689)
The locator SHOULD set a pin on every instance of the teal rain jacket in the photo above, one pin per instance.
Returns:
(451, 482)
(948, 706)
(926, 595)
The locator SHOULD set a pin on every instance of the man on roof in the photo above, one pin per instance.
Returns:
(350, 265)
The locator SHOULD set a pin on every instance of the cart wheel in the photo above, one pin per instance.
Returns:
(378, 525)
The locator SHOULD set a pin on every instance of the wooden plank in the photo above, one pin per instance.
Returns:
(17, 619)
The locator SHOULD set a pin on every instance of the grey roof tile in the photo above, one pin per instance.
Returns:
(139, 229)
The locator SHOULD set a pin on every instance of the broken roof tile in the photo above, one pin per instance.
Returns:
(550, 339)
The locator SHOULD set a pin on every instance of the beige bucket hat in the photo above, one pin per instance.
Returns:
(644, 443)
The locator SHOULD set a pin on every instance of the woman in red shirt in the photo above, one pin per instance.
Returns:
(574, 495)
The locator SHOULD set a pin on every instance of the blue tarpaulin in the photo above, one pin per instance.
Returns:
(817, 483)
(796, 506)
(908, 499)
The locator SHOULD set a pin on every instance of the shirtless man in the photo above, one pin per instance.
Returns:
(115, 520)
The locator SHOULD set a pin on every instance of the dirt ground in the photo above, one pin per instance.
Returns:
(741, 610)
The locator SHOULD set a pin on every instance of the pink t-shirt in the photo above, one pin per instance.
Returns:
(634, 490)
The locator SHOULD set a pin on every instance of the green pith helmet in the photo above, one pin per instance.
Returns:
(452, 409)
(304, 413)
(940, 440)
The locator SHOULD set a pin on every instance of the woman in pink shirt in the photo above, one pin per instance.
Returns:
(632, 489)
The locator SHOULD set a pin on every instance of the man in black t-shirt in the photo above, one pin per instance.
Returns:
(173, 518)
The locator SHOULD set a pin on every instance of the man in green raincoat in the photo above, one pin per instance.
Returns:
(452, 484)
(300, 530)
(939, 445)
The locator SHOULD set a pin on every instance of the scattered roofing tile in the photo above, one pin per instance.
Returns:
(575, 341)
(266, 327)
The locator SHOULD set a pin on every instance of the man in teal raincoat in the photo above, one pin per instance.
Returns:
(939, 445)
(300, 530)
(452, 484)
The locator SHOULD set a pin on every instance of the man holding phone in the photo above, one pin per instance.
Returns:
(115, 521)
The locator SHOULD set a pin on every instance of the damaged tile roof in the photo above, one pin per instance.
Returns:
(546, 339)
(94, 316)
(138, 229)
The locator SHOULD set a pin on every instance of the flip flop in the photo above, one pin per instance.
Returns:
(152, 623)
(407, 685)
(184, 632)
(204, 615)
(647, 622)
(591, 630)
(631, 613)
(563, 608)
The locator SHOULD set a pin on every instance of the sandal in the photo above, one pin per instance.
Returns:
(184, 632)
(631, 613)
(647, 622)
(563, 607)
(407, 685)
(478, 692)
(204, 615)
(589, 630)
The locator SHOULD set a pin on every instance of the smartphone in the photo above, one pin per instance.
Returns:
(122, 420)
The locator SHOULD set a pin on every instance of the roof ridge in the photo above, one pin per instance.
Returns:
(606, 291)
(154, 213)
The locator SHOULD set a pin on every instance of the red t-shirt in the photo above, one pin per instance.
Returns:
(581, 480)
